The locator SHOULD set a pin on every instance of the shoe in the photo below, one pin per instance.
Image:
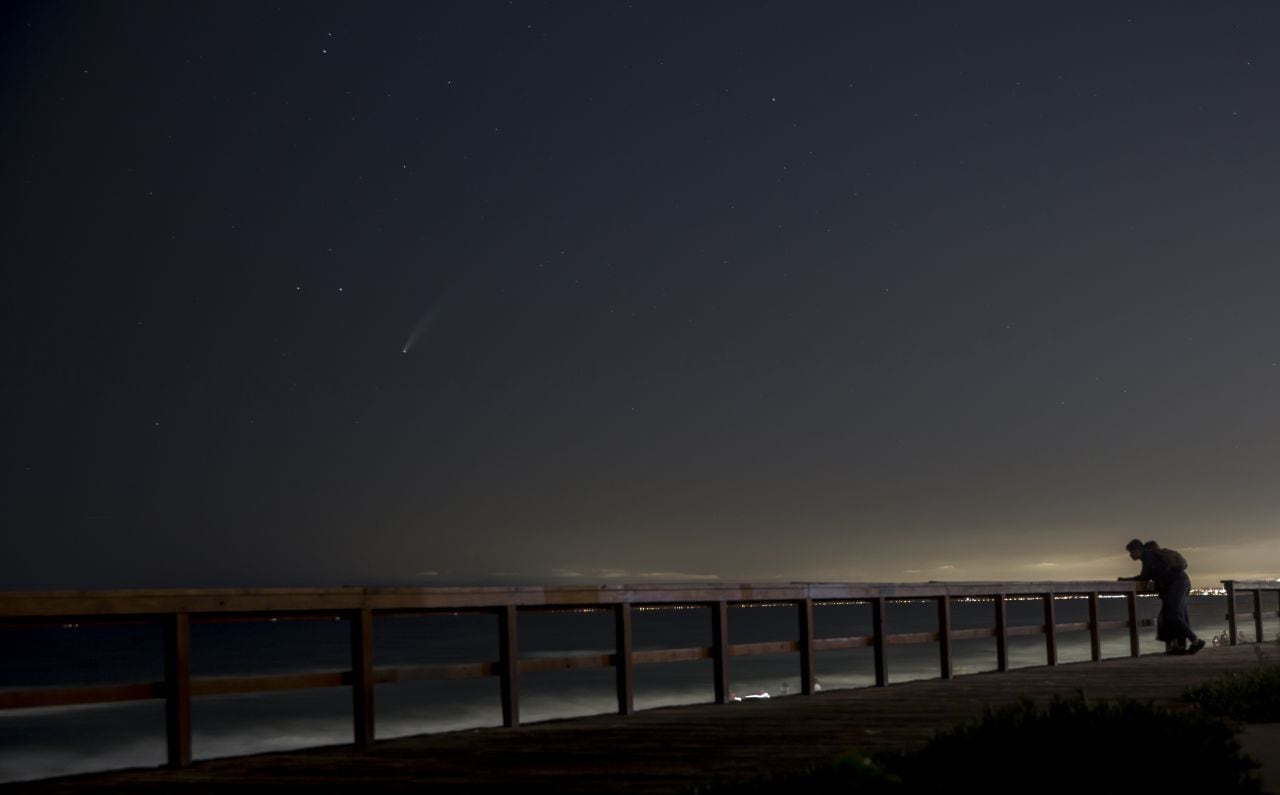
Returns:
(1195, 647)
(1176, 650)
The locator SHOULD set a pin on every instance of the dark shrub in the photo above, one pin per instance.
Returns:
(1072, 746)
(1253, 697)
(850, 773)
(1077, 747)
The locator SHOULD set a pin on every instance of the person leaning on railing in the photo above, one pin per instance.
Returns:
(1168, 570)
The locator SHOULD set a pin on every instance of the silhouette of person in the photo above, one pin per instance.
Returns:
(1168, 570)
(1173, 561)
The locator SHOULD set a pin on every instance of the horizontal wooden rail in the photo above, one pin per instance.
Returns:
(671, 655)
(855, 642)
(176, 610)
(767, 647)
(88, 694)
(267, 683)
(420, 672)
(332, 603)
(542, 664)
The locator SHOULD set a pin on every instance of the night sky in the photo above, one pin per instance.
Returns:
(321, 293)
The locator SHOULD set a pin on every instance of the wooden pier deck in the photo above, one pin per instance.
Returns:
(670, 749)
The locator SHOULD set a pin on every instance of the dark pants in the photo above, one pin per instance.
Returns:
(1174, 623)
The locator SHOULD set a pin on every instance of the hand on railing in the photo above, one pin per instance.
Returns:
(1143, 586)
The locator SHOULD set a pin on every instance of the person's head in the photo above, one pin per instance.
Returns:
(1135, 548)
(1151, 545)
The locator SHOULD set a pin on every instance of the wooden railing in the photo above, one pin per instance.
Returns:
(1257, 587)
(176, 611)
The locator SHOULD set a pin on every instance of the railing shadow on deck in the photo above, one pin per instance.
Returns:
(176, 610)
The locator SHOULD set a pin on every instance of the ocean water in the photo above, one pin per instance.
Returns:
(37, 743)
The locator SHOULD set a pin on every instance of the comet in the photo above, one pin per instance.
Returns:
(428, 319)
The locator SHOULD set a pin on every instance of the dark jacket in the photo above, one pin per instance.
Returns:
(1173, 560)
(1161, 568)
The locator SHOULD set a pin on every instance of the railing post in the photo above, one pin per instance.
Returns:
(806, 647)
(1231, 608)
(878, 647)
(1131, 601)
(944, 636)
(362, 676)
(720, 650)
(1050, 631)
(622, 658)
(509, 666)
(1257, 615)
(177, 680)
(1002, 633)
(1095, 634)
